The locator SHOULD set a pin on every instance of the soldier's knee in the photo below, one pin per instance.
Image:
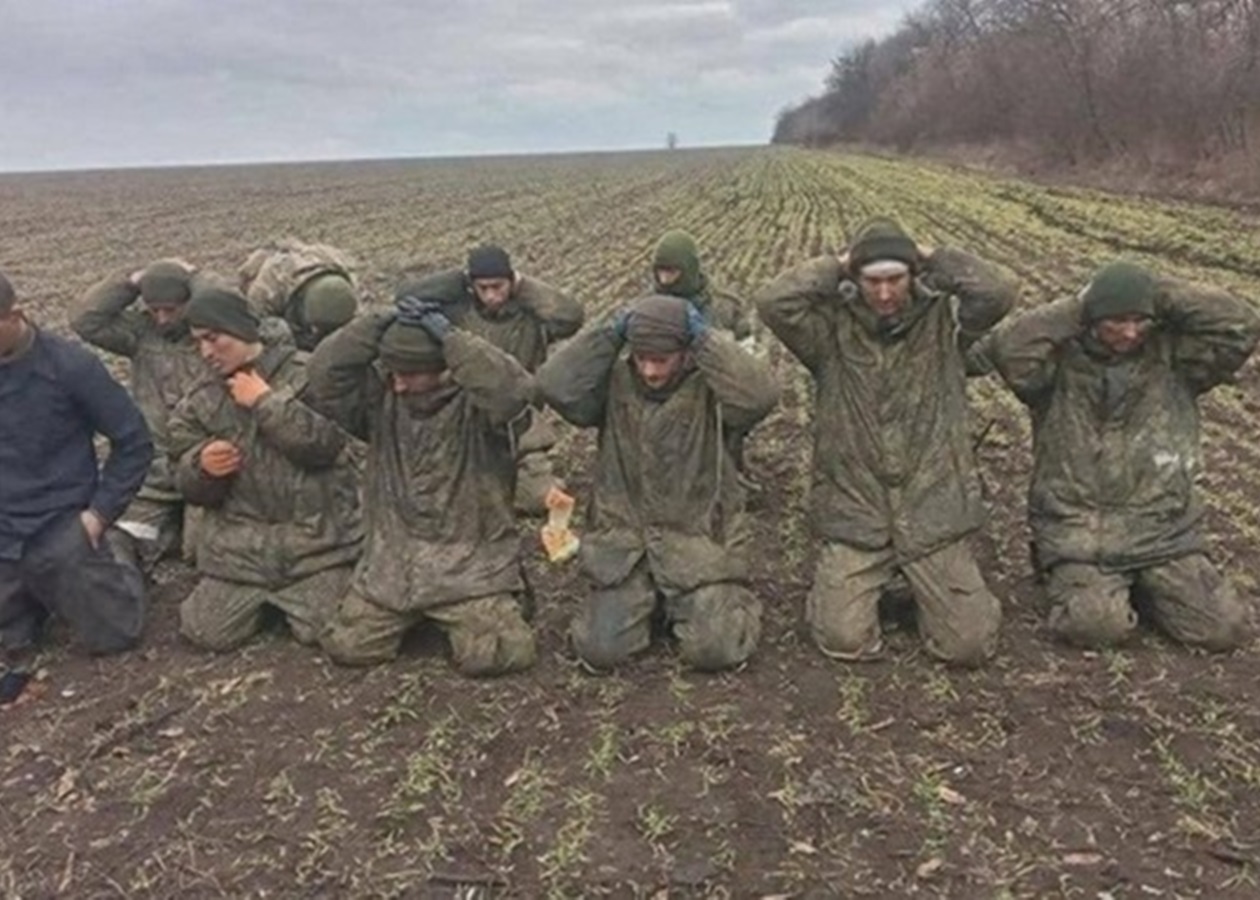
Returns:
(119, 637)
(845, 641)
(597, 650)
(722, 633)
(207, 635)
(1227, 631)
(967, 649)
(346, 648)
(500, 653)
(1092, 625)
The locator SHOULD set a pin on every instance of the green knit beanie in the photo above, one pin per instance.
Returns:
(678, 250)
(879, 240)
(226, 311)
(409, 348)
(328, 301)
(1120, 289)
(658, 324)
(165, 283)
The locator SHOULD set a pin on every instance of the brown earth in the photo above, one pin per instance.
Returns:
(272, 773)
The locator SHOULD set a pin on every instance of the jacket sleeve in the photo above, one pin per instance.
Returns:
(341, 382)
(744, 385)
(1026, 350)
(115, 415)
(186, 435)
(495, 382)
(985, 293)
(574, 381)
(104, 319)
(1214, 332)
(560, 314)
(305, 437)
(791, 307)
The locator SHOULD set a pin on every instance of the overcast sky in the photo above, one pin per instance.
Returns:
(138, 82)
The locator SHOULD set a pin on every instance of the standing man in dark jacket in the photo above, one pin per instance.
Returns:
(521, 315)
(141, 317)
(1112, 379)
(667, 523)
(55, 504)
(883, 330)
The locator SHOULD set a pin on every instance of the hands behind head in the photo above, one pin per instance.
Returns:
(426, 313)
(220, 458)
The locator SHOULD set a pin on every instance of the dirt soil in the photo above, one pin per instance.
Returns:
(272, 773)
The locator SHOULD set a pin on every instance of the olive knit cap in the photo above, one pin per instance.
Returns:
(657, 324)
(221, 309)
(409, 348)
(165, 283)
(1120, 288)
(882, 240)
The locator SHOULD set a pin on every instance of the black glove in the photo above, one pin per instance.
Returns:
(411, 310)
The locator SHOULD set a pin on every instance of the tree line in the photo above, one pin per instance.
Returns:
(1076, 81)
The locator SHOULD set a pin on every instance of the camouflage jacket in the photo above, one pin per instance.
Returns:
(666, 485)
(293, 510)
(164, 366)
(893, 462)
(535, 316)
(1116, 439)
(440, 476)
(272, 276)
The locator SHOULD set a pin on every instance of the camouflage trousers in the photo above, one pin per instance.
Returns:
(1187, 598)
(61, 574)
(150, 530)
(717, 625)
(488, 635)
(221, 615)
(958, 617)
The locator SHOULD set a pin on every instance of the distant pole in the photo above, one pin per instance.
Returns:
(671, 141)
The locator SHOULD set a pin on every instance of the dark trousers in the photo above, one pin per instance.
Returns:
(62, 574)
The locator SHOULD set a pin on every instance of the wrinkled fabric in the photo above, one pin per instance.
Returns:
(271, 278)
(958, 616)
(717, 625)
(488, 635)
(293, 510)
(439, 483)
(61, 574)
(893, 462)
(1116, 440)
(222, 615)
(1187, 598)
(666, 487)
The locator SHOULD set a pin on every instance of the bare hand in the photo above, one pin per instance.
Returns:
(925, 252)
(93, 527)
(844, 264)
(220, 458)
(248, 388)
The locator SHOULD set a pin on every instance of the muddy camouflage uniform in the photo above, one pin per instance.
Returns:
(536, 316)
(165, 365)
(666, 522)
(1112, 503)
(894, 485)
(272, 279)
(441, 536)
(286, 530)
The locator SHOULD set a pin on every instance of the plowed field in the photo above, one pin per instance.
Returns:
(272, 773)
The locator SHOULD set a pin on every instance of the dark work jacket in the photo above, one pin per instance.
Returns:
(54, 399)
